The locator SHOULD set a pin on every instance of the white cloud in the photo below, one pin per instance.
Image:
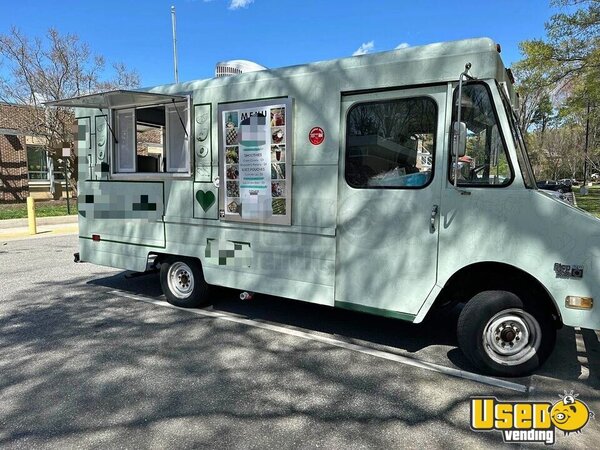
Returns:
(237, 4)
(403, 45)
(365, 48)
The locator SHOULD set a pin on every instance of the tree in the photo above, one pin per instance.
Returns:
(60, 66)
(572, 48)
(535, 105)
(562, 149)
(562, 73)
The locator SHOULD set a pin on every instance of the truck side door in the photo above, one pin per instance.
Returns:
(389, 196)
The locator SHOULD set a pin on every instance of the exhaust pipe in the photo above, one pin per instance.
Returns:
(246, 296)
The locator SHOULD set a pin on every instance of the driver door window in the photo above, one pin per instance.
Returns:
(485, 162)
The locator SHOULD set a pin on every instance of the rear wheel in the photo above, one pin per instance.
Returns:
(503, 335)
(182, 282)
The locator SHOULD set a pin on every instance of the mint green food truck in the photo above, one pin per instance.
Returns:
(394, 183)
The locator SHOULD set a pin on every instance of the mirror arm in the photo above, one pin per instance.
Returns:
(464, 75)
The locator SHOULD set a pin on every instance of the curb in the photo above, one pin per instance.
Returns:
(11, 234)
(55, 220)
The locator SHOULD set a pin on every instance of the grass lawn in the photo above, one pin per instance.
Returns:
(42, 209)
(590, 202)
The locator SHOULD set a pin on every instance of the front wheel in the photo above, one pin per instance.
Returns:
(182, 282)
(502, 335)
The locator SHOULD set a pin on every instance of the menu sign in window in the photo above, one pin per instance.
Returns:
(255, 161)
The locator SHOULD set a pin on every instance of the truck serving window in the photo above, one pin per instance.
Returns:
(391, 143)
(152, 139)
(485, 162)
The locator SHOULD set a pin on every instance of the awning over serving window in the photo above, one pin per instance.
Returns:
(117, 99)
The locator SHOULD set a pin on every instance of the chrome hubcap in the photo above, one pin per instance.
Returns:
(512, 337)
(180, 280)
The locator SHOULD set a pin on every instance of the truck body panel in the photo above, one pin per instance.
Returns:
(380, 248)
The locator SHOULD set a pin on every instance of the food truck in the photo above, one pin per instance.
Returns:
(394, 183)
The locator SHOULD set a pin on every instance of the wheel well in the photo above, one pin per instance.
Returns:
(155, 258)
(478, 277)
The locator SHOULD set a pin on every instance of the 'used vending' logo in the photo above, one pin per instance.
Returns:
(530, 421)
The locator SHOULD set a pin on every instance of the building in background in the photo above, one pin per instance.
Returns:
(25, 166)
(29, 167)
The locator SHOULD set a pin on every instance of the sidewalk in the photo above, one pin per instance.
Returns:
(11, 229)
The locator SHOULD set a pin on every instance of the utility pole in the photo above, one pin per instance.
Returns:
(174, 43)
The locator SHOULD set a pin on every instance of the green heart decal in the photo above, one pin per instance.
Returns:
(206, 199)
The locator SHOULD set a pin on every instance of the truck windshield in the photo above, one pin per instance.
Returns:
(519, 142)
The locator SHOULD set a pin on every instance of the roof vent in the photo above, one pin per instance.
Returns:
(235, 67)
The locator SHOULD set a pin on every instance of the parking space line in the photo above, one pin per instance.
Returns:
(337, 343)
(582, 358)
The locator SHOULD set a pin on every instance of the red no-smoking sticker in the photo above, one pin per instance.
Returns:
(316, 136)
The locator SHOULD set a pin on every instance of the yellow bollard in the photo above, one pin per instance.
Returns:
(31, 215)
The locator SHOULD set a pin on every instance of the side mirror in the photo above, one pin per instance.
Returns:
(459, 138)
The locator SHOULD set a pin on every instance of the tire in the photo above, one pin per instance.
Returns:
(182, 281)
(503, 335)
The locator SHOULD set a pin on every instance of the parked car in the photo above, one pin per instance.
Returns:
(569, 182)
(553, 185)
(566, 181)
(566, 197)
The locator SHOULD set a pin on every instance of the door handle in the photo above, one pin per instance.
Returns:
(434, 213)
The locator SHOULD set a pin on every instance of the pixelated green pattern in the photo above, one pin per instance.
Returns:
(228, 253)
(97, 205)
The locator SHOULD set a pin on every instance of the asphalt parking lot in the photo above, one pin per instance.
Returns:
(92, 358)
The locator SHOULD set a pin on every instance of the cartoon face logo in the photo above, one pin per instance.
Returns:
(201, 152)
(101, 134)
(570, 415)
(202, 133)
(201, 117)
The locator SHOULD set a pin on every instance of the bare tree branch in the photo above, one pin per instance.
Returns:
(56, 67)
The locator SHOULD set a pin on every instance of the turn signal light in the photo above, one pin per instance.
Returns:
(95, 237)
(575, 302)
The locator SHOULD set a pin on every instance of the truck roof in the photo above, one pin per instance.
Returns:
(432, 63)
(412, 66)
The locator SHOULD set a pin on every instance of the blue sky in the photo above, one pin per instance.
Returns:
(272, 33)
